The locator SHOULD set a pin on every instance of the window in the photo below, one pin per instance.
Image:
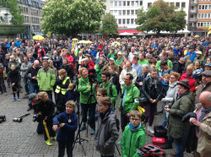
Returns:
(149, 4)
(136, 12)
(141, 3)
(177, 4)
(123, 21)
(128, 12)
(120, 21)
(183, 4)
(115, 3)
(124, 3)
(132, 12)
(128, 21)
(124, 12)
(128, 3)
(132, 3)
(120, 3)
(120, 12)
(172, 4)
(132, 21)
(199, 7)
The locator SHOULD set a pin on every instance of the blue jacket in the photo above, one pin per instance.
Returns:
(67, 132)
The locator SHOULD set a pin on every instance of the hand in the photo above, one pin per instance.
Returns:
(61, 125)
(154, 101)
(13, 84)
(167, 109)
(34, 77)
(194, 121)
(151, 100)
(55, 127)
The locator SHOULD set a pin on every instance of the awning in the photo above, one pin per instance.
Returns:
(128, 32)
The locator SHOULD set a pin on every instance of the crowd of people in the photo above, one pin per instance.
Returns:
(107, 76)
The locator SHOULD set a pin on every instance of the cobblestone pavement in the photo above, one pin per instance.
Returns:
(21, 139)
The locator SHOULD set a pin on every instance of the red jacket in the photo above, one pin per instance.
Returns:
(191, 81)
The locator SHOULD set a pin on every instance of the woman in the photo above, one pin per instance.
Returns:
(170, 94)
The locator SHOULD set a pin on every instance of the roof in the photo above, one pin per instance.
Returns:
(128, 31)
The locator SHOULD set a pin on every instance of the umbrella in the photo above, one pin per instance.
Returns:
(209, 32)
(38, 37)
(196, 36)
(84, 42)
(133, 37)
(74, 39)
(115, 43)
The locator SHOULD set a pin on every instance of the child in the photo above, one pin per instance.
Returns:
(65, 124)
(134, 135)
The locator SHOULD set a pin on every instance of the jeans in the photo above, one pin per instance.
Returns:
(32, 87)
(179, 145)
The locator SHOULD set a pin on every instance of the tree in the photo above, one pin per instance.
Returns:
(71, 17)
(109, 25)
(17, 18)
(161, 17)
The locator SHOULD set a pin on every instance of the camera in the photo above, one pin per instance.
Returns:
(17, 120)
(2, 118)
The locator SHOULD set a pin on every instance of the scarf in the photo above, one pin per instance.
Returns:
(134, 128)
(204, 112)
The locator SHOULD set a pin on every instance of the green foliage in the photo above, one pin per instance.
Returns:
(11, 29)
(109, 25)
(17, 18)
(71, 17)
(161, 17)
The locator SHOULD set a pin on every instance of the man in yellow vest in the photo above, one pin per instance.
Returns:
(61, 88)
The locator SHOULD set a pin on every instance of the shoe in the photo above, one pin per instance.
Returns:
(14, 99)
(150, 129)
(48, 142)
(83, 127)
(92, 132)
(18, 99)
(29, 108)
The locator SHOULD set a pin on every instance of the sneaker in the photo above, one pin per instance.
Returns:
(150, 129)
(18, 99)
(48, 142)
(14, 99)
(92, 132)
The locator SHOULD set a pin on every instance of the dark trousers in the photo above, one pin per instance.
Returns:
(150, 113)
(124, 120)
(69, 148)
(47, 129)
(91, 109)
(2, 85)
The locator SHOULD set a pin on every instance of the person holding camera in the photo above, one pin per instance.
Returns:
(86, 88)
(65, 124)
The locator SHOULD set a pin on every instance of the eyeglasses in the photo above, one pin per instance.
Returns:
(134, 119)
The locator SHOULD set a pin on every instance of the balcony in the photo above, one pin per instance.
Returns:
(193, 11)
(193, 19)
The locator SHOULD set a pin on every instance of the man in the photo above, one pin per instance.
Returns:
(46, 78)
(205, 85)
(110, 88)
(130, 95)
(177, 129)
(107, 132)
(137, 66)
(31, 76)
(152, 90)
(127, 69)
(204, 124)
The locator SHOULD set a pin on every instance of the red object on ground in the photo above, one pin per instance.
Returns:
(158, 141)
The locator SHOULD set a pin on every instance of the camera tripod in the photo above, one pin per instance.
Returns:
(78, 138)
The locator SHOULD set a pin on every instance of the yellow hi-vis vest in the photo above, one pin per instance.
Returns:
(62, 90)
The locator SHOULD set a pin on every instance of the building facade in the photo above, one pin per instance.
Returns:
(32, 13)
(125, 11)
(203, 15)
